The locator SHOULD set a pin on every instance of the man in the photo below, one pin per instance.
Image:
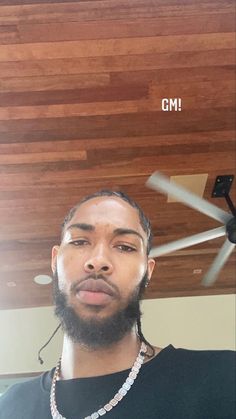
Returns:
(101, 269)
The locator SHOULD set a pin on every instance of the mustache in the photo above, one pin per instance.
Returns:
(95, 276)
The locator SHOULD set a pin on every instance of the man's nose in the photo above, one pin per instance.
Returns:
(98, 262)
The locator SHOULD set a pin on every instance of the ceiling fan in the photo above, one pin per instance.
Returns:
(162, 184)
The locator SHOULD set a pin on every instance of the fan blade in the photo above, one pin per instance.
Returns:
(161, 183)
(188, 241)
(218, 263)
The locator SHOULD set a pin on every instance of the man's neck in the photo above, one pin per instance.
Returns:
(78, 361)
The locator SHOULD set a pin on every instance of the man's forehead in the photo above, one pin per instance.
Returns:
(108, 210)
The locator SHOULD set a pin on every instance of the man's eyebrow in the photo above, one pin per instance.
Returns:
(123, 231)
(82, 226)
(116, 232)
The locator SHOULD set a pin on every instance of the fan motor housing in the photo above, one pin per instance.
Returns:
(231, 230)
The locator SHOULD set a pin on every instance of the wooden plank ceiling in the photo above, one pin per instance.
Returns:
(81, 85)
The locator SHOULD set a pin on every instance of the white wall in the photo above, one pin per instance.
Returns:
(190, 322)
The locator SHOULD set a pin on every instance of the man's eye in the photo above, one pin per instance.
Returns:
(79, 242)
(126, 248)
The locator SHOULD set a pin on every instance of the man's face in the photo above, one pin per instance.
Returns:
(97, 249)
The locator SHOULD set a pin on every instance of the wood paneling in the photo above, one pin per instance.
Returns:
(81, 85)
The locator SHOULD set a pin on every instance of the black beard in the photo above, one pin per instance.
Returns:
(94, 333)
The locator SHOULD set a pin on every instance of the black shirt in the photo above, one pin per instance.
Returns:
(176, 384)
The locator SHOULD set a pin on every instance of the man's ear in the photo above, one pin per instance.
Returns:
(150, 266)
(55, 250)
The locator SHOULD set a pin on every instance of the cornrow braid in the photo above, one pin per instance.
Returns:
(142, 338)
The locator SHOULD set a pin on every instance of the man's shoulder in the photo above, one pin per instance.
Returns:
(197, 363)
(23, 398)
(206, 355)
(17, 391)
(187, 354)
(209, 357)
(203, 380)
(205, 366)
(23, 387)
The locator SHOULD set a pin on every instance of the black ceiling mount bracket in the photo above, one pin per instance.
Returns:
(222, 188)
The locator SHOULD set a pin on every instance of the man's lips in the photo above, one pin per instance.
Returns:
(93, 298)
(95, 292)
(95, 286)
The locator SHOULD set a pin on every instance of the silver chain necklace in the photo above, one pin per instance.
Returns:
(113, 402)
